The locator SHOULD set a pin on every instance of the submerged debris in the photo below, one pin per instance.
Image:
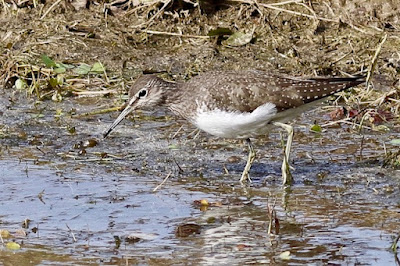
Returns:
(185, 230)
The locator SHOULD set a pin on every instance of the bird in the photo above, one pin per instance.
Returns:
(240, 104)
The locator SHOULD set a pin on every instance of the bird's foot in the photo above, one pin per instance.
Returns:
(286, 174)
(245, 177)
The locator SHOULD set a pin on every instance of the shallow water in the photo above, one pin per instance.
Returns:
(88, 207)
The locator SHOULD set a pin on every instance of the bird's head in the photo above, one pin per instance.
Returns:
(146, 92)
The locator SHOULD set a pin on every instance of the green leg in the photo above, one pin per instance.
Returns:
(250, 160)
(286, 175)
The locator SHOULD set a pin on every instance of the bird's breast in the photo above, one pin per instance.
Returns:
(235, 124)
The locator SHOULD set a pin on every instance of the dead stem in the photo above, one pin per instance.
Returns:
(97, 112)
(72, 233)
(50, 8)
(274, 7)
(166, 3)
(165, 180)
(175, 34)
(374, 59)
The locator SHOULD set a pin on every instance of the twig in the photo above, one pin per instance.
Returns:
(179, 168)
(143, 5)
(330, 9)
(194, 132)
(93, 93)
(345, 121)
(286, 2)
(176, 133)
(297, 13)
(384, 148)
(50, 8)
(165, 179)
(361, 147)
(393, 247)
(374, 59)
(105, 73)
(102, 111)
(86, 160)
(379, 101)
(272, 217)
(72, 233)
(309, 9)
(341, 58)
(274, 7)
(7, 11)
(175, 34)
(156, 15)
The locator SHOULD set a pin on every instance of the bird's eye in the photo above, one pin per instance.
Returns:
(142, 93)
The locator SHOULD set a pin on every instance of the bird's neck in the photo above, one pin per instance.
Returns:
(172, 92)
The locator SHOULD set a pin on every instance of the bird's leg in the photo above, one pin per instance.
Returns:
(286, 175)
(250, 160)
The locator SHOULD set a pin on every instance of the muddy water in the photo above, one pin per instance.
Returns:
(96, 205)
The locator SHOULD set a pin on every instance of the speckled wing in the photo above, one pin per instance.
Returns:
(292, 93)
(244, 91)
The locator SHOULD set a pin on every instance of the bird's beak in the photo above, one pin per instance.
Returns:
(128, 109)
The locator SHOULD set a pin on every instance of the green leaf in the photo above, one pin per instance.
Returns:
(382, 128)
(285, 255)
(82, 69)
(56, 97)
(4, 233)
(20, 84)
(59, 112)
(316, 128)
(60, 79)
(395, 142)
(60, 70)
(97, 68)
(67, 66)
(53, 82)
(71, 130)
(220, 32)
(13, 246)
(238, 39)
(173, 147)
(48, 61)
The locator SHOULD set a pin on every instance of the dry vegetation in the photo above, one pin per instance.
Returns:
(96, 48)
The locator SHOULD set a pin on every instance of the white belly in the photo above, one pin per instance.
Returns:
(236, 124)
